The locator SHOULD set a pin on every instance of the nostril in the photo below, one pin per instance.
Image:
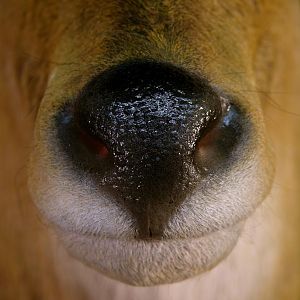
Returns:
(211, 131)
(79, 145)
(217, 143)
(94, 144)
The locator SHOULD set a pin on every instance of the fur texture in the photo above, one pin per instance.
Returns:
(50, 49)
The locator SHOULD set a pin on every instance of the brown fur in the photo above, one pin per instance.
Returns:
(83, 37)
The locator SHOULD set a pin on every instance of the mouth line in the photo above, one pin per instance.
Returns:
(133, 238)
(142, 262)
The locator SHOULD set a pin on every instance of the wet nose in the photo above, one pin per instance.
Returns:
(145, 131)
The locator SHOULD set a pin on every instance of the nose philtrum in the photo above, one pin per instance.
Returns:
(149, 115)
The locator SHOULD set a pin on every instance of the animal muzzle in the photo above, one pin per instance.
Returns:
(148, 132)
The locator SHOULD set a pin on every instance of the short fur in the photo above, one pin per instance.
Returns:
(249, 48)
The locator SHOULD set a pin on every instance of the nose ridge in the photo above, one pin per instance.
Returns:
(149, 115)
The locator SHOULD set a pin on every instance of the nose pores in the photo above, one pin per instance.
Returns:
(137, 130)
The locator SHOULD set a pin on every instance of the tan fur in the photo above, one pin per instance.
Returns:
(249, 47)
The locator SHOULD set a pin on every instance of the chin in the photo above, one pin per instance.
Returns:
(151, 262)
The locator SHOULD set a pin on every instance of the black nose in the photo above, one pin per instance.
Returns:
(148, 132)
